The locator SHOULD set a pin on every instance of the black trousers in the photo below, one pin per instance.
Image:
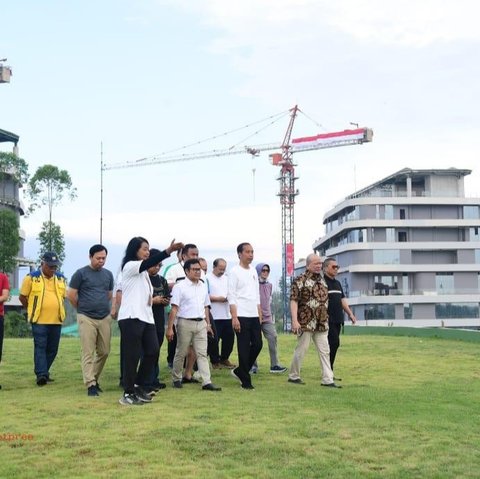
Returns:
(137, 336)
(226, 336)
(212, 346)
(334, 330)
(154, 377)
(172, 347)
(249, 345)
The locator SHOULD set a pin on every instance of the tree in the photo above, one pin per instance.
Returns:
(14, 167)
(9, 240)
(48, 186)
(51, 239)
(277, 306)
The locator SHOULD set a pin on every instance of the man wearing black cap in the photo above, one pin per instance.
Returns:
(43, 295)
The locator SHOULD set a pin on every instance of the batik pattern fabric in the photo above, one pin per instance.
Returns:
(310, 292)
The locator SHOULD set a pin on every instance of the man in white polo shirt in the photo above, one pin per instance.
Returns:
(190, 303)
(174, 274)
(244, 300)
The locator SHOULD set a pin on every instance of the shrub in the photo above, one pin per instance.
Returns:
(16, 326)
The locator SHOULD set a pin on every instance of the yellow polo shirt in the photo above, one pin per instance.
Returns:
(50, 313)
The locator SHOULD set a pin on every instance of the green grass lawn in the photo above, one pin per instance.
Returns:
(409, 407)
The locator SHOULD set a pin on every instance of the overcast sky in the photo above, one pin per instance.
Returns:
(149, 76)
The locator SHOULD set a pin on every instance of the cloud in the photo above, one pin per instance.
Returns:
(245, 23)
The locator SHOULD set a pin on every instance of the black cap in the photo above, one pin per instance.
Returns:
(51, 259)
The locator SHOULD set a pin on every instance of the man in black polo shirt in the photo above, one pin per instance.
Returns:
(337, 304)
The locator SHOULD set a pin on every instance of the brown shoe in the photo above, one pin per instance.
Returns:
(228, 364)
(216, 366)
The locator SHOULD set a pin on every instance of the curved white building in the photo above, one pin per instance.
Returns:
(409, 250)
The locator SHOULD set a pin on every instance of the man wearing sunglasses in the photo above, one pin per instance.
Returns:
(337, 304)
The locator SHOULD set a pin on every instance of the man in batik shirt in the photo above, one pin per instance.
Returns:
(308, 307)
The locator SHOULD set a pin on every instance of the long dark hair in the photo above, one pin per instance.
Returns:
(132, 249)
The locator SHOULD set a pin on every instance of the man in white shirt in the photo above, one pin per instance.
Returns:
(244, 300)
(174, 274)
(220, 310)
(190, 303)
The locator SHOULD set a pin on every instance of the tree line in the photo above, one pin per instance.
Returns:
(47, 187)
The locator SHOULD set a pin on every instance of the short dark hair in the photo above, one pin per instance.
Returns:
(327, 261)
(217, 261)
(189, 263)
(188, 247)
(241, 246)
(96, 248)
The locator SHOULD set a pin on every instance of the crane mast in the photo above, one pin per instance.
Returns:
(287, 193)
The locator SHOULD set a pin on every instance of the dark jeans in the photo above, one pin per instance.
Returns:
(1, 337)
(334, 330)
(226, 335)
(249, 345)
(46, 338)
(137, 336)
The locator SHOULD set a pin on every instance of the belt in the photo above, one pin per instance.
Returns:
(193, 319)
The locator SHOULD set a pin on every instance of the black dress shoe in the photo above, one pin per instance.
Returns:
(249, 387)
(332, 385)
(211, 387)
(296, 381)
(177, 384)
(41, 381)
(190, 381)
(158, 386)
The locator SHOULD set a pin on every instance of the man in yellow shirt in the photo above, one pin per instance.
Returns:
(43, 295)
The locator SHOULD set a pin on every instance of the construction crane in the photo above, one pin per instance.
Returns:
(287, 191)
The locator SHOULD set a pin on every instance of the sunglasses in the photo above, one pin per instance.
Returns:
(265, 271)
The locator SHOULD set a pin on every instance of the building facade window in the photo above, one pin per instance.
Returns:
(389, 212)
(477, 256)
(407, 311)
(402, 236)
(385, 285)
(471, 212)
(386, 256)
(444, 283)
(456, 310)
(379, 311)
(474, 234)
(390, 235)
(402, 213)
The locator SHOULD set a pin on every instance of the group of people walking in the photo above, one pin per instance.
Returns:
(206, 311)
